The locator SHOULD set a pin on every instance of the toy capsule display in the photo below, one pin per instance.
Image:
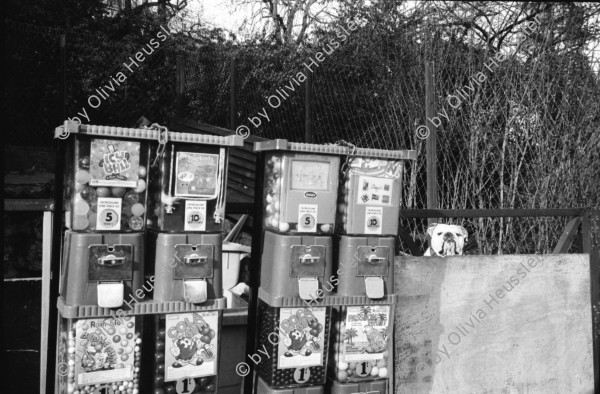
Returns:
(102, 269)
(106, 179)
(187, 267)
(370, 192)
(365, 266)
(297, 266)
(300, 186)
(362, 339)
(186, 352)
(296, 341)
(188, 184)
(100, 355)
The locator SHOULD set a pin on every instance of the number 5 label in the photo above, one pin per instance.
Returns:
(109, 214)
(307, 218)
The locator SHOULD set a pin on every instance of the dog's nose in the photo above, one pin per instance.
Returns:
(448, 236)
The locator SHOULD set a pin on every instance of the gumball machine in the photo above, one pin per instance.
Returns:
(188, 183)
(367, 222)
(299, 205)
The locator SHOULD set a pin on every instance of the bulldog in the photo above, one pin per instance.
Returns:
(446, 240)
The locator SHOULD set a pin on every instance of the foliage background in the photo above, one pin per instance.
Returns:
(528, 137)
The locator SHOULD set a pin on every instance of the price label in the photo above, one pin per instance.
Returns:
(364, 369)
(301, 375)
(109, 214)
(195, 216)
(185, 386)
(307, 218)
(373, 220)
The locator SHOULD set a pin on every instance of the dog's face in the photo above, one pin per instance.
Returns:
(446, 240)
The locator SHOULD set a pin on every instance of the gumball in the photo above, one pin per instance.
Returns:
(131, 197)
(128, 350)
(124, 357)
(135, 223)
(374, 371)
(273, 222)
(269, 199)
(342, 366)
(205, 338)
(103, 192)
(88, 193)
(211, 388)
(118, 191)
(342, 376)
(325, 228)
(141, 186)
(79, 186)
(84, 162)
(283, 227)
(80, 222)
(314, 332)
(116, 339)
(82, 176)
(124, 343)
(142, 171)
(138, 209)
(81, 207)
(383, 372)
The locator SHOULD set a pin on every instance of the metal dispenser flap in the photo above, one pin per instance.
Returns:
(373, 261)
(307, 260)
(307, 288)
(374, 287)
(193, 261)
(110, 263)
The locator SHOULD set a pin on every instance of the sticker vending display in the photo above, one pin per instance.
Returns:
(296, 341)
(104, 352)
(107, 186)
(362, 340)
(188, 189)
(187, 352)
(369, 196)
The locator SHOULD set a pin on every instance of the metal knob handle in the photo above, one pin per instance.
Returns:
(111, 260)
(195, 259)
(309, 259)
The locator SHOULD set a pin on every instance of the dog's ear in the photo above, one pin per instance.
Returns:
(464, 232)
(430, 229)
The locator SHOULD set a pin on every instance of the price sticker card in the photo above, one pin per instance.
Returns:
(109, 213)
(195, 215)
(307, 218)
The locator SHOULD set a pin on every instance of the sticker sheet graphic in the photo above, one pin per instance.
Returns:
(367, 332)
(191, 345)
(104, 350)
(301, 339)
(309, 175)
(114, 163)
(196, 174)
(375, 191)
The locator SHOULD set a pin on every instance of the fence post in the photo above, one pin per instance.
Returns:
(308, 109)
(180, 86)
(431, 143)
(233, 95)
(591, 244)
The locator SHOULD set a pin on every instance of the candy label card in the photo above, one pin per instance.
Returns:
(114, 163)
(109, 214)
(307, 218)
(191, 345)
(374, 191)
(367, 333)
(195, 216)
(196, 174)
(104, 350)
(301, 339)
